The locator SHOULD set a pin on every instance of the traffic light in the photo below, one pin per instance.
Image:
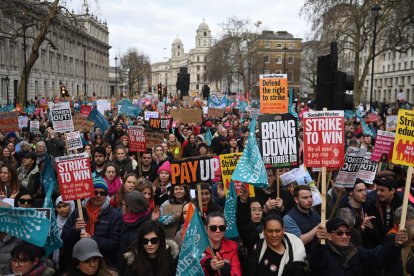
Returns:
(164, 91)
(63, 92)
(206, 92)
(159, 88)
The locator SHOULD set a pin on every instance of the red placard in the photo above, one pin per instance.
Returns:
(75, 176)
(323, 139)
(85, 110)
(384, 143)
(137, 139)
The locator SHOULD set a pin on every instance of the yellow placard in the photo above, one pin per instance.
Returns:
(228, 163)
(274, 97)
(404, 139)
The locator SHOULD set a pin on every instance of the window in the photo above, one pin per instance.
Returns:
(291, 46)
(290, 75)
(266, 59)
(178, 46)
(205, 33)
(266, 71)
(279, 60)
(267, 45)
(290, 59)
(279, 46)
(198, 58)
(198, 67)
(198, 77)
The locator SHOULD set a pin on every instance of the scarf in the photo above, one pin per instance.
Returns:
(133, 217)
(93, 214)
(113, 185)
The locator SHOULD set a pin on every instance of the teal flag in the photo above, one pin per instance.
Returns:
(291, 107)
(7, 108)
(214, 101)
(230, 210)
(99, 119)
(194, 244)
(365, 129)
(26, 224)
(208, 137)
(250, 169)
(53, 241)
(129, 109)
(349, 114)
(30, 109)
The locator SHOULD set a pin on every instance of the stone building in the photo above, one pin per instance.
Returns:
(195, 61)
(77, 51)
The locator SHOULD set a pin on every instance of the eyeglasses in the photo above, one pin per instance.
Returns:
(37, 135)
(154, 240)
(341, 233)
(25, 201)
(221, 228)
(101, 193)
(19, 261)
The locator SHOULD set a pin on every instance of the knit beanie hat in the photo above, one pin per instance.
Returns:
(166, 166)
(99, 183)
(136, 202)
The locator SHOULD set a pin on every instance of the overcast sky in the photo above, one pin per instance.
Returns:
(151, 26)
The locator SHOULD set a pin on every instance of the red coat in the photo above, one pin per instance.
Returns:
(229, 254)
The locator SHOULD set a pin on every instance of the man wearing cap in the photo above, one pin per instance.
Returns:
(340, 257)
(26, 172)
(382, 208)
(101, 222)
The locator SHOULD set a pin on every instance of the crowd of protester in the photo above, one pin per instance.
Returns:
(125, 230)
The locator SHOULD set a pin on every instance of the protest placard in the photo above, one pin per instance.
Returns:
(274, 96)
(228, 163)
(26, 224)
(404, 139)
(79, 123)
(23, 121)
(160, 123)
(9, 121)
(215, 112)
(193, 170)
(172, 209)
(279, 144)
(137, 139)
(61, 116)
(150, 114)
(34, 126)
(300, 175)
(368, 169)
(348, 173)
(102, 106)
(153, 138)
(391, 122)
(73, 140)
(161, 107)
(85, 110)
(74, 176)
(384, 144)
(187, 115)
(45, 213)
(323, 137)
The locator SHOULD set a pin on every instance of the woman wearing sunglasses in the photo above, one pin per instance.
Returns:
(24, 199)
(151, 254)
(221, 258)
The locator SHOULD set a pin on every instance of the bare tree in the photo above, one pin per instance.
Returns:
(138, 66)
(309, 63)
(350, 24)
(40, 17)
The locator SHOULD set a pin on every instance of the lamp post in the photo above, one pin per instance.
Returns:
(7, 81)
(116, 76)
(375, 12)
(284, 59)
(264, 64)
(24, 26)
(84, 71)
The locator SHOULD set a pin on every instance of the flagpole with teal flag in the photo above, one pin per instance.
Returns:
(230, 210)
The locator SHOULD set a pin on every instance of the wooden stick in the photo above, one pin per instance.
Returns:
(329, 180)
(139, 164)
(318, 181)
(338, 200)
(200, 203)
(277, 184)
(323, 198)
(379, 167)
(405, 200)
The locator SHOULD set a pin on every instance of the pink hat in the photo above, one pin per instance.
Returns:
(166, 166)
(227, 124)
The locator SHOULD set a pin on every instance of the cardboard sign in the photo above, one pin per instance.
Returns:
(9, 122)
(193, 170)
(215, 112)
(368, 169)
(73, 140)
(102, 106)
(85, 110)
(161, 107)
(23, 120)
(404, 139)
(157, 123)
(80, 123)
(61, 116)
(300, 175)
(34, 126)
(274, 97)
(74, 176)
(187, 115)
(150, 114)
(384, 144)
(391, 122)
(279, 145)
(137, 139)
(172, 209)
(153, 138)
(348, 173)
(323, 137)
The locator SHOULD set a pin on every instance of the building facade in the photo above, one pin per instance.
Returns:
(76, 52)
(195, 60)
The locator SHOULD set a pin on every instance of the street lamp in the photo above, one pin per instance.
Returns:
(284, 59)
(375, 12)
(25, 26)
(84, 70)
(264, 64)
(7, 81)
(116, 76)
